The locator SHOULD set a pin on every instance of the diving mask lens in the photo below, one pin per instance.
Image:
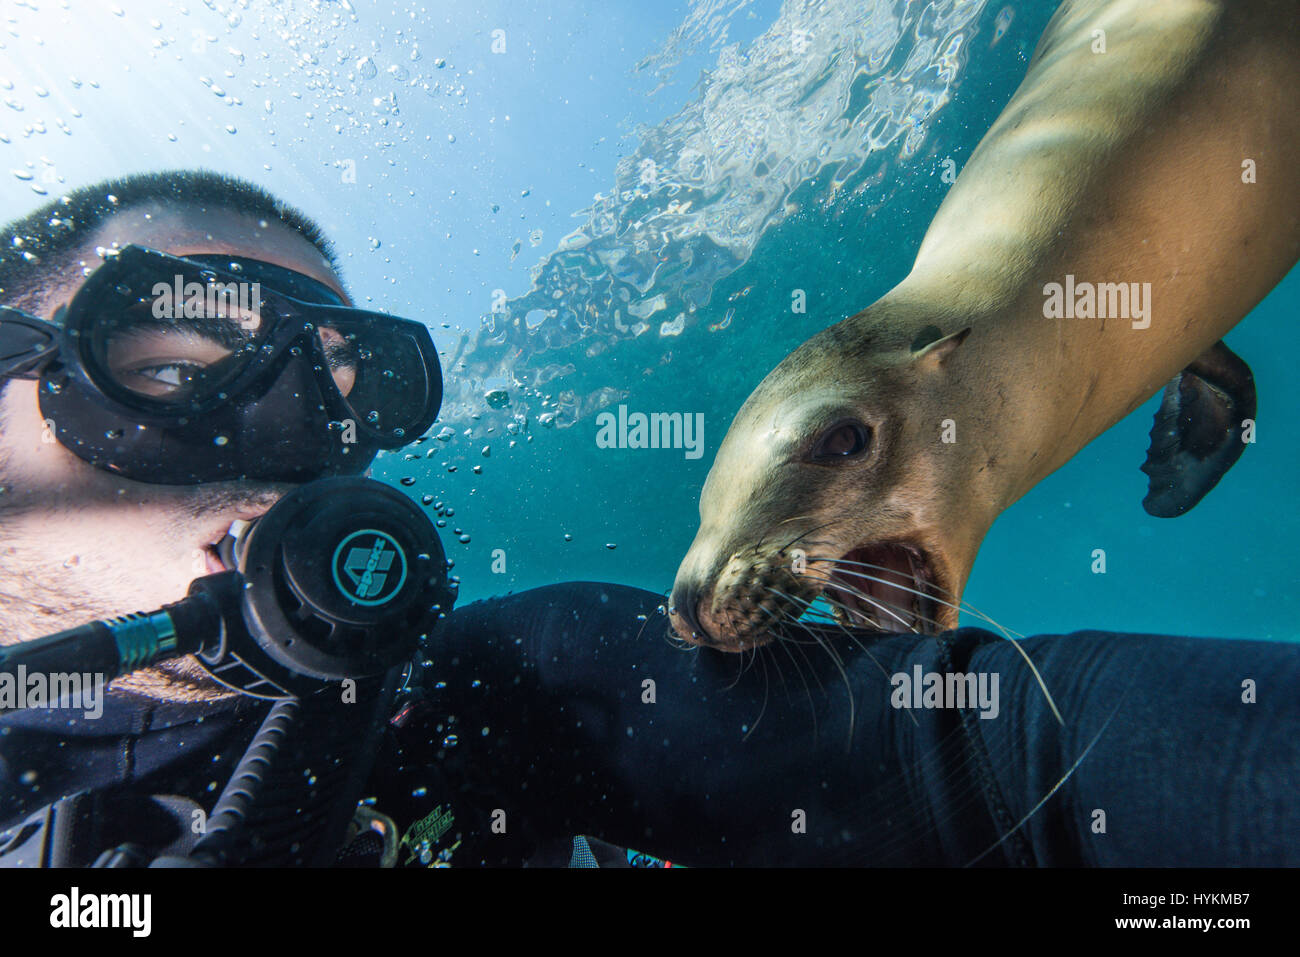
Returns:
(182, 370)
(382, 373)
(172, 338)
(178, 346)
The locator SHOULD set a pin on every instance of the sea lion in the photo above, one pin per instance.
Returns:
(1132, 203)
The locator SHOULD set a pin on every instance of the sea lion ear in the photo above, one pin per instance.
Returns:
(933, 348)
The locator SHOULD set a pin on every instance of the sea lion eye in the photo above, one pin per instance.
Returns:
(841, 441)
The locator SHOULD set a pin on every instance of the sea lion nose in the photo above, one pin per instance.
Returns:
(684, 609)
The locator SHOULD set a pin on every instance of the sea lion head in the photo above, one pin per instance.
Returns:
(835, 481)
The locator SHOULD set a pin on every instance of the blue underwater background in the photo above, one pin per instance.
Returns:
(602, 203)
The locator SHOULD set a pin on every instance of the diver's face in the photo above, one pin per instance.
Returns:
(78, 542)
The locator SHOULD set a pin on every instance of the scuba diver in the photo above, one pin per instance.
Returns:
(178, 351)
(190, 401)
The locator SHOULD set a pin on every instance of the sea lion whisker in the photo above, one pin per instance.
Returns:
(878, 604)
(1057, 786)
(815, 528)
(812, 705)
(784, 645)
(876, 661)
(816, 637)
(961, 606)
(1038, 678)
(830, 620)
(857, 593)
(819, 541)
(834, 656)
(802, 607)
(740, 672)
(848, 685)
(766, 685)
(744, 666)
(784, 521)
(823, 617)
(763, 709)
(674, 640)
(840, 624)
(861, 645)
(779, 623)
(798, 645)
(781, 675)
(871, 600)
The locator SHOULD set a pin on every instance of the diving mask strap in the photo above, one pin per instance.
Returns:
(28, 344)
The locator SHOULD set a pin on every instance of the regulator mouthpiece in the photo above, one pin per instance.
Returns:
(343, 577)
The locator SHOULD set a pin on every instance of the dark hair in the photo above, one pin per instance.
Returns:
(47, 239)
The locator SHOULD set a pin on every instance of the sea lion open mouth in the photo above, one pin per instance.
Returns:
(761, 596)
(887, 586)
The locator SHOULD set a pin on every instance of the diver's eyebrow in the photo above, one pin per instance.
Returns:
(340, 353)
(227, 332)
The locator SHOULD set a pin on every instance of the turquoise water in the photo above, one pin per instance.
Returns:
(604, 204)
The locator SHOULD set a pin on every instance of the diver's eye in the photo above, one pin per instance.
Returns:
(842, 441)
(162, 378)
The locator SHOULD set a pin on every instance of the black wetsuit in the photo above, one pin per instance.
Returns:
(565, 711)
(1159, 761)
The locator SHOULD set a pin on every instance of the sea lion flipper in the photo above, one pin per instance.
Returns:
(1197, 433)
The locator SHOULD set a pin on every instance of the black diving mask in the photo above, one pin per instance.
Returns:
(179, 371)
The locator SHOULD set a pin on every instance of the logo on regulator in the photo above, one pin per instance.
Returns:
(369, 567)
